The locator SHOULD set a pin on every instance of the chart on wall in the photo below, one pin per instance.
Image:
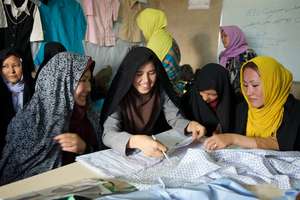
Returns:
(272, 28)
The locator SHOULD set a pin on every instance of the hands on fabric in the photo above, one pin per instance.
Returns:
(197, 130)
(147, 145)
(71, 142)
(218, 141)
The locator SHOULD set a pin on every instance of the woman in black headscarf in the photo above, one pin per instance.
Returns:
(141, 103)
(16, 88)
(209, 101)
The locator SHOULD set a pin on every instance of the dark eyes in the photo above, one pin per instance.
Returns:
(141, 73)
(252, 86)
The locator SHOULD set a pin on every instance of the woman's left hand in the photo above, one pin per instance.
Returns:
(71, 142)
(218, 141)
(197, 130)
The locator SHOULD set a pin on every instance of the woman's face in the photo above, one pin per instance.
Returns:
(209, 95)
(11, 69)
(83, 89)
(225, 39)
(253, 89)
(145, 78)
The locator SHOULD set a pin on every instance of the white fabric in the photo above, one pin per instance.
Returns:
(3, 21)
(17, 11)
(196, 166)
(37, 29)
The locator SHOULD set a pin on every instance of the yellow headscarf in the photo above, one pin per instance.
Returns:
(153, 22)
(276, 82)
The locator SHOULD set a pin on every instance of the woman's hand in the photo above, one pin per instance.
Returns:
(197, 130)
(71, 142)
(147, 145)
(218, 141)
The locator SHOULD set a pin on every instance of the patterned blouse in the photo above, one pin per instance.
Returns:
(234, 65)
(171, 64)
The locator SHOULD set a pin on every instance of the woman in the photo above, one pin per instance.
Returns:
(269, 119)
(15, 88)
(153, 24)
(141, 103)
(235, 54)
(56, 125)
(209, 100)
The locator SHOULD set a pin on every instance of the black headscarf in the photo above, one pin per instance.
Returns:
(211, 76)
(122, 84)
(50, 50)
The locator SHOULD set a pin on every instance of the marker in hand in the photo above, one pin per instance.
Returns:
(166, 156)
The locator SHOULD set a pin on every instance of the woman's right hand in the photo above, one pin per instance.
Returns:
(147, 145)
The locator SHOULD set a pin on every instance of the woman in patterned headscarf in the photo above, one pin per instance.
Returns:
(269, 119)
(56, 125)
(235, 54)
(153, 23)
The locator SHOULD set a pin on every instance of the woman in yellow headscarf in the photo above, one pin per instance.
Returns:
(153, 24)
(269, 118)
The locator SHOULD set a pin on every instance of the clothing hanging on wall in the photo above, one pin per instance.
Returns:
(128, 12)
(63, 21)
(100, 17)
(3, 21)
(20, 17)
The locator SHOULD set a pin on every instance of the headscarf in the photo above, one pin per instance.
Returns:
(24, 85)
(237, 43)
(121, 85)
(211, 76)
(30, 149)
(276, 81)
(50, 50)
(153, 23)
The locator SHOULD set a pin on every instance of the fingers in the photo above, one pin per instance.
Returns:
(198, 132)
(210, 144)
(161, 147)
(154, 149)
(71, 142)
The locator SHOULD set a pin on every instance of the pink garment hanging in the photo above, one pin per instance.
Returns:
(100, 17)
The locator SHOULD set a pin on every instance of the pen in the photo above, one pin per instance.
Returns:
(166, 156)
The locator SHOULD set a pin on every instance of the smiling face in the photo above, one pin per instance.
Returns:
(209, 95)
(11, 69)
(253, 88)
(145, 78)
(83, 89)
